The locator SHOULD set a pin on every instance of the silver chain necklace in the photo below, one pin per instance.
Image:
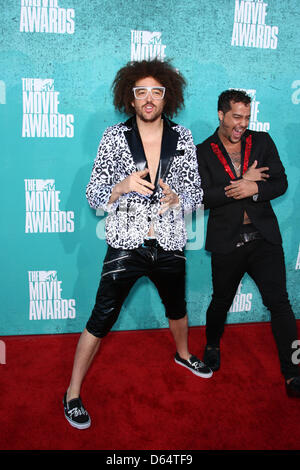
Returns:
(235, 153)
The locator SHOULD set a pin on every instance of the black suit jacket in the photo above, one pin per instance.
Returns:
(226, 214)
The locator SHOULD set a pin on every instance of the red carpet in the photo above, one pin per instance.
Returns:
(139, 398)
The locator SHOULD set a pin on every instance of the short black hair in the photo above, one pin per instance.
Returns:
(237, 96)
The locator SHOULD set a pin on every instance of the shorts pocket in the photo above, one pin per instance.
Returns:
(180, 256)
(113, 271)
(114, 263)
(115, 259)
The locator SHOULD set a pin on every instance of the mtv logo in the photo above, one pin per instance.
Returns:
(151, 37)
(45, 276)
(46, 84)
(45, 185)
(251, 93)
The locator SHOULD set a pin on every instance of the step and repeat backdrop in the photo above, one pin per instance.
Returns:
(58, 60)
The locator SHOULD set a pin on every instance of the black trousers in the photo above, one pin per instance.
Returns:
(122, 268)
(264, 262)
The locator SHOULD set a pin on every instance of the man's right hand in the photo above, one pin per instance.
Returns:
(134, 182)
(256, 174)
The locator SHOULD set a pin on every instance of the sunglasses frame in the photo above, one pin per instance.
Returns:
(149, 89)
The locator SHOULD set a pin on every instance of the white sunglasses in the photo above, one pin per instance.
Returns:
(156, 92)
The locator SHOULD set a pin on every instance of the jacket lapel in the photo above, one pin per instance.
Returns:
(224, 152)
(218, 141)
(168, 148)
(135, 144)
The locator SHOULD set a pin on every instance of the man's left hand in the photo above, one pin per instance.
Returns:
(241, 189)
(170, 198)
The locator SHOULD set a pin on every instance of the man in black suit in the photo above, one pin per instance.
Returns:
(241, 172)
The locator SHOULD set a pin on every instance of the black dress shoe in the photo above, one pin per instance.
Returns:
(212, 357)
(293, 388)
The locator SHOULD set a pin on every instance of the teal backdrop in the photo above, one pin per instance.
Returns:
(57, 63)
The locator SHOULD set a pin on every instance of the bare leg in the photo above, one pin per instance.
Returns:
(87, 347)
(179, 330)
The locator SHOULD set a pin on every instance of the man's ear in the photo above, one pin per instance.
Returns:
(221, 115)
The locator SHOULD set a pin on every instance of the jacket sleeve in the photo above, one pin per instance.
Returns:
(214, 196)
(276, 184)
(99, 188)
(190, 193)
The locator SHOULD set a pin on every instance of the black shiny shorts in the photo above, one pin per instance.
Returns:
(122, 268)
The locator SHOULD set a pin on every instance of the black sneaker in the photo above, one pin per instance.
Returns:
(212, 357)
(194, 365)
(76, 414)
(293, 388)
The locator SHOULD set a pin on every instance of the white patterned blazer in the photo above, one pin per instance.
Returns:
(121, 153)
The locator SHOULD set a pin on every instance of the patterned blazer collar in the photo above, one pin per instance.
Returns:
(168, 147)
